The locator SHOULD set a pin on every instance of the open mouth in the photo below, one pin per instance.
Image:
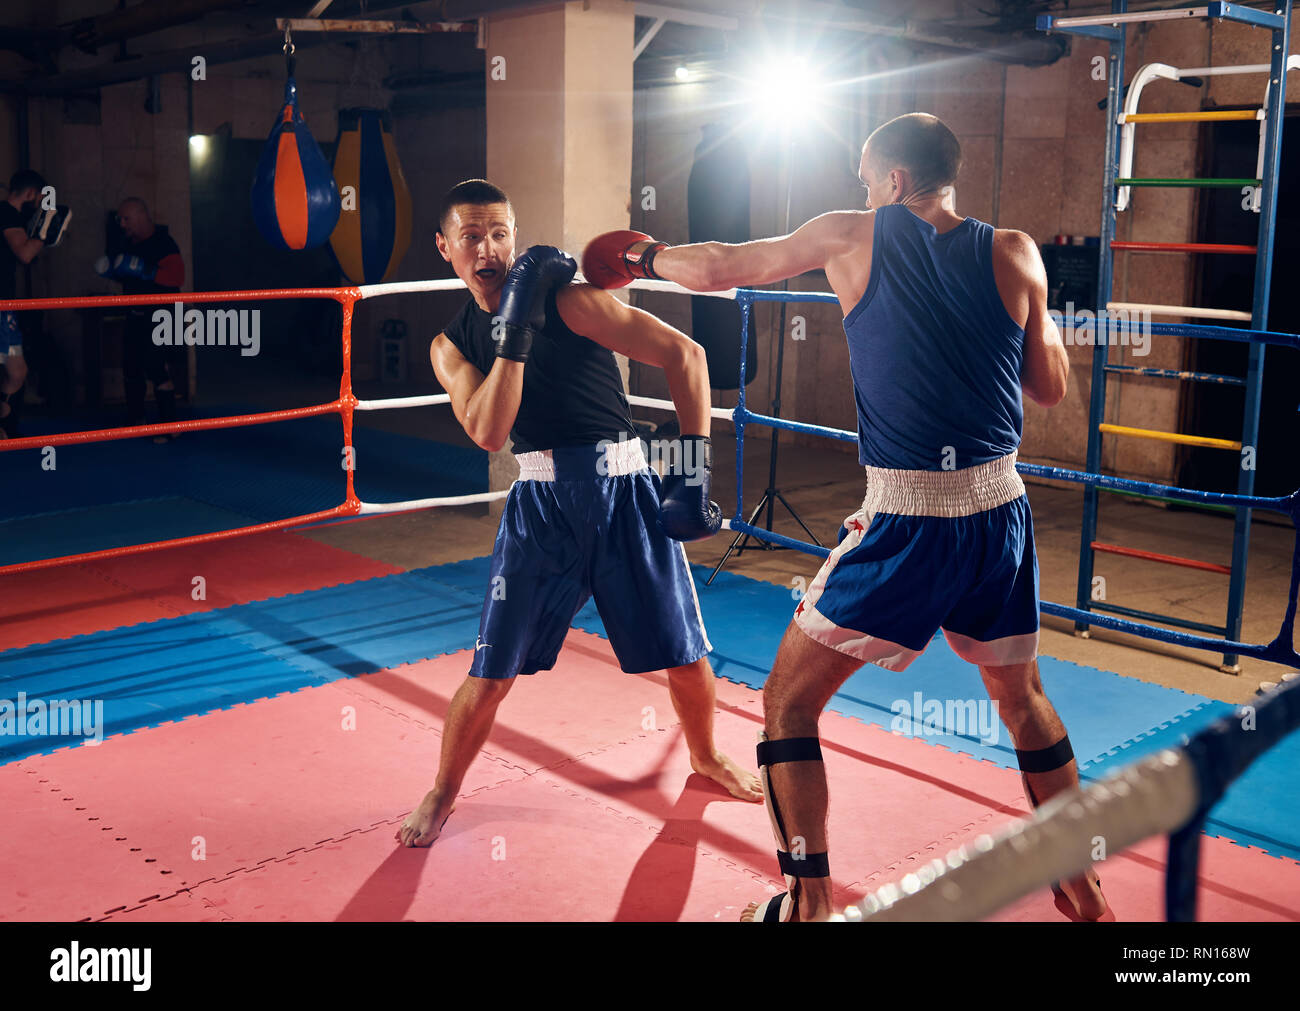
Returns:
(487, 273)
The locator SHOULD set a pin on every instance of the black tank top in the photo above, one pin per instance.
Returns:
(573, 393)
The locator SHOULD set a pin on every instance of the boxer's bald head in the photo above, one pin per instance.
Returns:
(912, 155)
(133, 215)
(476, 235)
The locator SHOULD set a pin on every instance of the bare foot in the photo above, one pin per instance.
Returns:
(423, 825)
(730, 776)
(1084, 894)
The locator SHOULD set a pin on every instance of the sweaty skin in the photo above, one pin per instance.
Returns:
(479, 242)
(806, 674)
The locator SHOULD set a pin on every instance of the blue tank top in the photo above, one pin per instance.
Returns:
(935, 356)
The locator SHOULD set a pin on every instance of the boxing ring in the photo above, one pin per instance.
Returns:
(1170, 792)
(345, 405)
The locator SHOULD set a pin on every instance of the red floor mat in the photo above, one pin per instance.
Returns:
(74, 600)
(581, 808)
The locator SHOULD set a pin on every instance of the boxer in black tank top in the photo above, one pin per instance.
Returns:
(530, 358)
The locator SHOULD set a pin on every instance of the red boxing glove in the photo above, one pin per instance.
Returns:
(615, 259)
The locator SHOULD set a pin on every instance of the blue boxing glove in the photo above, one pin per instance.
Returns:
(125, 266)
(521, 313)
(685, 512)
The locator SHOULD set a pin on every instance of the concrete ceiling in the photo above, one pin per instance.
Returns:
(82, 44)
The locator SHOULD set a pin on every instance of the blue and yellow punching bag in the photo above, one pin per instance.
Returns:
(374, 229)
(295, 201)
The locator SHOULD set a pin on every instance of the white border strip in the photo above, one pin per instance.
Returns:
(1180, 310)
(1153, 796)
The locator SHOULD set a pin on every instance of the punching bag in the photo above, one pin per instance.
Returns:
(717, 201)
(374, 229)
(295, 202)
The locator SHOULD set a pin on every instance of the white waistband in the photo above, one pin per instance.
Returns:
(943, 492)
(609, 459)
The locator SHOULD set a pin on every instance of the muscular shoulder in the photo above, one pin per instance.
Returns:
(586, 309)
(1016, 254)
(845, 230)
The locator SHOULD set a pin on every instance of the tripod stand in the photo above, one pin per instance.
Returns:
(772, 495)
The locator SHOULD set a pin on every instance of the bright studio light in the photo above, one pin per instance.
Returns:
(199, 145)
(683, 74)
(787, 89)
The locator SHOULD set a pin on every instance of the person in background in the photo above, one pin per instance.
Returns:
(150, 264)
(29, 226)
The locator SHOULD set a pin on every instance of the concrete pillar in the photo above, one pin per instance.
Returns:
(559, 127)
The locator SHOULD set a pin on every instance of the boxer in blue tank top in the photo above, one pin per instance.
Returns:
(530, 357)
(947, 326)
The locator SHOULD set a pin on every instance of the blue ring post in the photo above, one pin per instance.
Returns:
(1281, 39)
(1105, 281)
(738, 416)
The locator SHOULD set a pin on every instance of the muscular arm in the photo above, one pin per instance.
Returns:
(645, 338)
(23, 247)
(715, 266)
(485, 407)
(1022, 283)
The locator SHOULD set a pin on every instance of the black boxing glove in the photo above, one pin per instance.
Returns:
(685, 512)
(522, 310)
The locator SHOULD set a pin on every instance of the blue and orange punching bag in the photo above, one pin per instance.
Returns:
(374, 229)
(295, 201)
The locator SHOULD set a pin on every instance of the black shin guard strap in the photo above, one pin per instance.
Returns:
(1046, 759)
(810, 865)
(790, 749)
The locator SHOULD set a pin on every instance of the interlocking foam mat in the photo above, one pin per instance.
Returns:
(583, 806)
(170, 668)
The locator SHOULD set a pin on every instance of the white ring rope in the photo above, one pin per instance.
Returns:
(456, 284)
(721, 413)
(374, 508)
(1155, 795)
(394, 403)
(1180, 310)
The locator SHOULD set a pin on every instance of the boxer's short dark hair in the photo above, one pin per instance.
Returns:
(26, 179)
(920, 143)
(476, 192)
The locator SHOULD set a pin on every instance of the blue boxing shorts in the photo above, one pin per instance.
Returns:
(581, 522)
(930, 550)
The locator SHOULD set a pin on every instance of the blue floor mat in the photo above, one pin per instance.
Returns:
(357, 628)
(162, 670)
(144, 675)
(178, 667)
